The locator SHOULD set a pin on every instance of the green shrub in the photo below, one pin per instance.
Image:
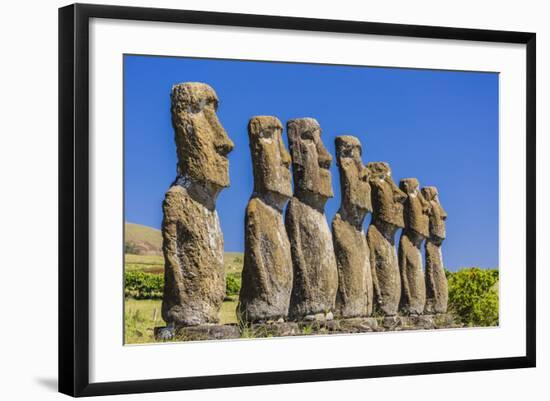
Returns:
(473, 296)
(130, 247)
(233, 284)
(142, 285)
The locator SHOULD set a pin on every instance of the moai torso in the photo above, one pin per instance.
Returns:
(355, 289)
(314, 266)
(194, 286)
(436, 282)
(413, 288)
(267, 271)
(387, 204)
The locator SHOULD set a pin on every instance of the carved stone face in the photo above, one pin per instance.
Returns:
(310, 159)
(201, 141)
(416, 208)
(437, 213)
(354, 176)
(387, 198)
(270, 159)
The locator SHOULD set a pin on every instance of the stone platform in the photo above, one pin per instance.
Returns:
(304, 328)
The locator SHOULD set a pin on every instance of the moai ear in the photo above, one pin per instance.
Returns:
(294, 141)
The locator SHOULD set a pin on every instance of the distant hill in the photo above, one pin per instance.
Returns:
(142, 240)
(143, 249)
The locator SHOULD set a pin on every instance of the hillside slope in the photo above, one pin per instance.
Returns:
(147, 241)
(142, 240)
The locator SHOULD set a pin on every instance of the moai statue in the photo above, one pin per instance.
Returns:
(194, 286)
(355, 290)
(416, 208)
(387, 218)
(267, 271)
(436, 281)
(314, 265)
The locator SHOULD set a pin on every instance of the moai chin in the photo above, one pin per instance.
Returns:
(355, 289)
(314, 266)
(436, 282)
(387, 218)
(416, 208)
(194, 286)
(267, 271)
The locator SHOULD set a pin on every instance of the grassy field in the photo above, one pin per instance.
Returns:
(233, 262)
(144, 263)
(143, 315)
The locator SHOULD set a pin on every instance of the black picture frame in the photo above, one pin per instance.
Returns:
(74, 198)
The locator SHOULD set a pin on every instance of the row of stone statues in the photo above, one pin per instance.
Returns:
(295, 267)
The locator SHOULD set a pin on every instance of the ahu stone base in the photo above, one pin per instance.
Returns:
(302, 328)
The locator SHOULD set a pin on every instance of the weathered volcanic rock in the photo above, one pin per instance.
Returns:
(314, 265)
(387, 202)
(314, 327)
(416, 208)
(192, 239)
(358, 325)
(355, 290)
(273, 329)
(267, 271)
(207, 332)
(436, 282)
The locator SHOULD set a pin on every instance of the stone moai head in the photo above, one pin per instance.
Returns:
(437, 213)
(416, 208)
(310, 162)
(387, 198)
(201, 141)
(270, 159)
(354, 176)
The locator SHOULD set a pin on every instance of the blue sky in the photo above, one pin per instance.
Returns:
(438, 126)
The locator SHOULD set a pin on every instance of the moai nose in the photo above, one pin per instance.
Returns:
(325, 159)
(398, 195)
(285, 156)
(224, 148)
(224, 145)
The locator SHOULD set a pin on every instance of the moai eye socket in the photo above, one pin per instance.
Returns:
(347, 152)
(307, 135)
(267, 133)
(213, 103)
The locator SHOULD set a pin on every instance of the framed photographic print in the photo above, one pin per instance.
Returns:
(250, 199)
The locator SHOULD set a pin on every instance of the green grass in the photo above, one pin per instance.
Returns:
(227, 312)
(143, 315)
